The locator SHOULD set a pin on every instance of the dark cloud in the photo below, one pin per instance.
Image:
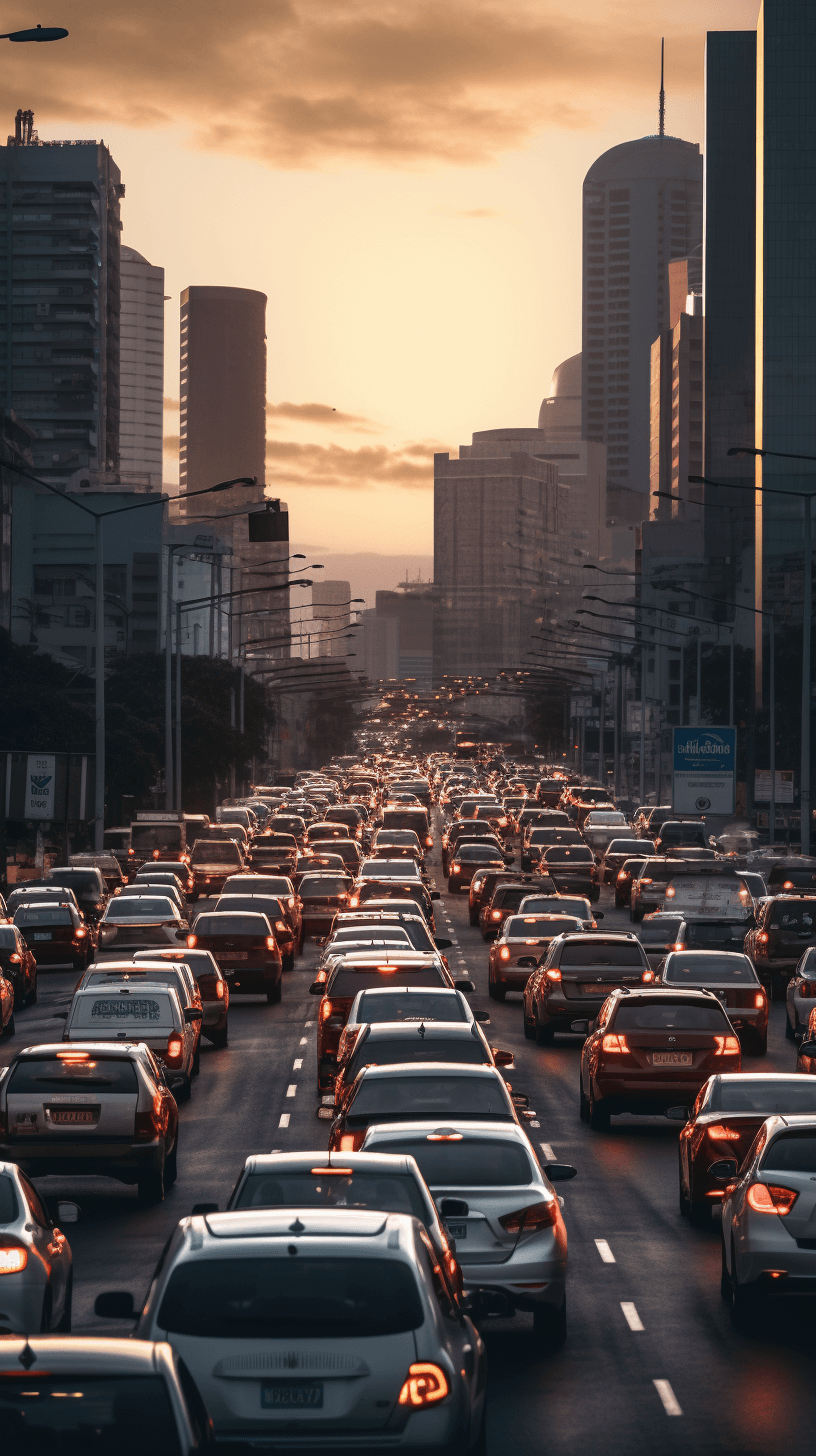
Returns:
(318, 414)
(410, 466)
(303, 83)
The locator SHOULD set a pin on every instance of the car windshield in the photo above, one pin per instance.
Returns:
(574, 855)
(577, 954)
(556, 905)
(94, 1414)
(765, 1095)
(143, 907)
(471, 1163)
(396, 1006)
(215, 852)
(281, 1298)
(524, 927)
(346, 983)
(625, 846)
(384, 1051)
(710, 970)
(58, 916)
(229, 924)
(670, 1016)
(364, 1188)
(315, 887)
(659, 932)
(791, 1152)
(440, 1097)
(797, 915)
(37, 1074)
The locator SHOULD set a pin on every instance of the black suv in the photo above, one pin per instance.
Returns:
(575, 978)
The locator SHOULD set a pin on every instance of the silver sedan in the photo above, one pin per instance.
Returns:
(36, 1273)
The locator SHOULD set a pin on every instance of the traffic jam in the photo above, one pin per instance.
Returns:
(301, 1107)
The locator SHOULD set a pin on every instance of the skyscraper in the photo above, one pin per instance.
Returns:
(141, 371)
(59, 329)
(643, 206)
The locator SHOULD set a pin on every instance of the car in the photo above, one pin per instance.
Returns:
(710, 932)
(500, 1206)
(139, 1008)
(157, 971)
(321, 896)
(147, 922)
(74, 1393)
(365, 1285)
(470, 831)
(275, 912)
(379, 892)
(38, 890)
(87, 883)
(648, 891)
(398, 844)
(388, 1042)
(768, 1253)
(800, 997)
(246, 949)
(346, 850)
(36, 1258)
(504, 902)
(410, 1004)
(577, 905)
(624, 879)
(405, 816)
(726, 1116)
(161, 880)
(294, 824)
(733, 980)
(180, 871)
(680, 834)
(601, 827)
(617, 852)
(647, 1051)
(470, 856)
(520, 947)
(281, 888)
(652, 818)
(145, 890)
(18, 966)
(484, 882)
(338, 987)
(212, 861)
(659, 933)
(577, 974)
(540, 837)
(385, 867)
(93, 1108)
(107, 863)
(389, 1182)
(440, 1092)
(7, 1022)
(405, 913)
(571, 869)
(793, 874)
(213, 989)
(785, 927)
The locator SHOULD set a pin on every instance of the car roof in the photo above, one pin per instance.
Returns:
(468, 1127)
(355, 1227)
(433, 1069)
(83, 1355)
(692, 955)
(406, 1030)
(667, 993)
(52, 1048)
(398, 956)
(297, 1161)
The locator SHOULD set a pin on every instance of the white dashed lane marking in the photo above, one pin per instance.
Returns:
(631, 1316)
(304, 1041)
(671, 1405)
(605, 1252)
(298, 1064)
(291, 1089)
(284, 1120)
(546, 1149)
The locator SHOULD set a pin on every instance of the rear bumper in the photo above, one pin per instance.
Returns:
(251, 980)
(123, 1159)
(648, 1095)
(515, 978)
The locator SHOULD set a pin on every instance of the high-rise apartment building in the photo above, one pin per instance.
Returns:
(331, 615)
(677, 415)
(642, 207)
(59, 323)
(141, 371)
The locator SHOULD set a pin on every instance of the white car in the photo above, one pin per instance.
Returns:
(500, 1208)
(144, 1011)
(148, 922)
(35, 1259)
(320, 1327)
(769, 1219)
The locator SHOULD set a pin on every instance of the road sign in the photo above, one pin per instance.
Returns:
(704, 770)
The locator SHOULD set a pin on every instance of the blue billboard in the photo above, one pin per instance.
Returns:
(704, 770)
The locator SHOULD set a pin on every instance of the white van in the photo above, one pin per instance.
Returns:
(725, 896)
(149, 1012)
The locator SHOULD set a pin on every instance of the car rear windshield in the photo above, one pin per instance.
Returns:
(132, 1010)
(659, 932)
(57, 916)
(390, 1192)
(46, 1074)
(625, 846)
(472, 1163)
(144, 838)
(791, 1152)
(429, 1097)
(276, 841)
(223, 924)
(544, 834)
(705, 933)
(257, 885)
(710, 970)
(80, 881)
(348, 982)
(765, 1095)
(381, 934)
(479, 854)
(216, 852)
(305, 1298)
(441, 1006)
(556, 905)
(523, 927)
(62, 1414)
(576, 955)
(316, 887)
(8, 1201)
(799, 915)
(671, 1016)
(574, 854)
(260, 904)
(385, 1051)
(141, 906)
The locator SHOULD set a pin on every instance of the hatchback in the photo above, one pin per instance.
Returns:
(211, 863)
(212, 988)
(576, 976)
(148, 922)
(441, 1092)
(281, 888)
(523, 942)
(88, 884)
(35, 1258)
(800, 995)
(785, 926)
(246, 949)
(138, 1009)
(660, 933)
(273, 909)
(734, 982)
(469, 857)
(387, 1043)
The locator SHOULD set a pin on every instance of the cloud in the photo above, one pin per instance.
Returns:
(317, 414)
(304, 83)
(408, 466)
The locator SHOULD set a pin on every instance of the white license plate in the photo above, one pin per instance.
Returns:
(41, 935)
(672, 1059)
(287, 1395)
(235, 955)
(457, 1230)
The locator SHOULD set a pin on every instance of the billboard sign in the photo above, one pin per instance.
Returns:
(40, 786)
(784, 786)
(704, 770)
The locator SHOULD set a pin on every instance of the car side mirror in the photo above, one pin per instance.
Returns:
(464, 983)
(317, 988)
(807, 1049)
(560, 1172)
(502, 1058)
(435, 895)
(68, 1212)
(678, 1114)
(441, 943)
(116, 1304)
(723, 1170)
(193, 1013)
(183, 933)
(483, 1017)
(327, 1113)
(204, 1208)
(581, 1028)
(454, 1208)
(598, 915)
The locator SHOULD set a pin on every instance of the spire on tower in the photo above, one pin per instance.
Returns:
(662, 114)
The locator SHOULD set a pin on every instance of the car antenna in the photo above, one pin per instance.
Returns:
(26, 1357)
(421, 1028)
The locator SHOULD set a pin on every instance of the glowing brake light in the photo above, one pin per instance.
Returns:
(763, 937)
(72, 1056)
(759, 999)
(219, 990)
(175, 1049)
(504, 953)
(646, 881)
(770, 1198)
(326, 1009)
(788, 885)
(192, 942)
(271, 942)
(553, 974)
(614, 1042)
(726, 1045)
(670, 893)
(455, 869)
(647, 976)
(722, 1134)
(495, 915)
(13, 1261)
(535, 1217)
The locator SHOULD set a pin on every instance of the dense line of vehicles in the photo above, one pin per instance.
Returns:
(334, 1299)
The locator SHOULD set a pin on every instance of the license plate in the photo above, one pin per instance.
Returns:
(235, 955)
(594, 988)
(672, 1059)
(286, 1395)
(41, 935)
(73, 1114)
(457, 1230)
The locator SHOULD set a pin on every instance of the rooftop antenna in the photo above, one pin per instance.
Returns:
(662, 115)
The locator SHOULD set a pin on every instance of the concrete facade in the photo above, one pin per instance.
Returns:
(141, 371)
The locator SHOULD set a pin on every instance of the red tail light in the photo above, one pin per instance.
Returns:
(614, 1042)
(726, 1045)
(157, 854)
(219, 990)
(14, 1259)
(759, 999)
(504, 953)
(554, 974)
(426, 1385)
(770, 1198)
(647, 976)
(16, 958)
(326, 1010)
(80, 933)
(807, 988)
(148, 1124)
(763, 937)
(495, 914)
(192, 942)
(722, 1134)
(532, 1219)
(271, 943)
(175, 1050)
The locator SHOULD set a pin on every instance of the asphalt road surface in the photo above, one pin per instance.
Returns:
(652, 1361)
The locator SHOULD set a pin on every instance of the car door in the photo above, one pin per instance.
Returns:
(52, 1246)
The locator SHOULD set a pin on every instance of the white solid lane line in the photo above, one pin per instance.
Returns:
(605, 1252)
(631, 1316)
(291, 1089)
(298, 1063)
(671, 1404)
(284, 1120)
(546, 1149)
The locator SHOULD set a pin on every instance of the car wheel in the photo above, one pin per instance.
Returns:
(529, 1026)
(196, 1067)
(583, 1100)
(699, 1213)
(10, 1027)
(544, 1035)
(790, 1031)
(150, 1185)
(635, 916)
(452, 888)
(33, 995)
(725, 1277)
(619, 904)
(64, 1326)
(778, 989)
(599, 1118)
(496, 993)
(218, 1036)
(759, 1048)
(171, 1165)
(473, 916)
(289, 961)
(550, 1326)
(45, 1317)
(745, 1301)
(274, 995)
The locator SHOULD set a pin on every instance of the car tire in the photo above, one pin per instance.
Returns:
(544, 1035)
(33, 995)
(184, 1092)
(452, 888)
(150, 1185)
(289, 961)
(583, 1100)
(635, 916)
(699, 1213)
(274, 995)
(745, 1301)
(196, 1067)
(778, 988)
(790, 1031)
(10, 1028)
(550, 1327)
(619, 904)
(725, 1277)
(171, 1165)
(473, 917)
(47, 1309)
(64, 1326)
(529, 1027)
(218, 1036)
(759, 1048)
(496, 993)
(599, 1118)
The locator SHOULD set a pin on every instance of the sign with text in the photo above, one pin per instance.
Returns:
(784, 786)
(40, 784)
(704, 762)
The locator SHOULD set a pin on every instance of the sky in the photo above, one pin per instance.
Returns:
(403, 182)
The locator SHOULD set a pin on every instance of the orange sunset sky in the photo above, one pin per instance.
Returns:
(403, 180)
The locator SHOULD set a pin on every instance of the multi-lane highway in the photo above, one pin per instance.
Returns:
(652, 1361)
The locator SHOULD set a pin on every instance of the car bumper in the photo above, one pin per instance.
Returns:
(770, 1246)
(251, 980)
(515, 978)
(120, 1158)
(650, 1095)
(510, 1282)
